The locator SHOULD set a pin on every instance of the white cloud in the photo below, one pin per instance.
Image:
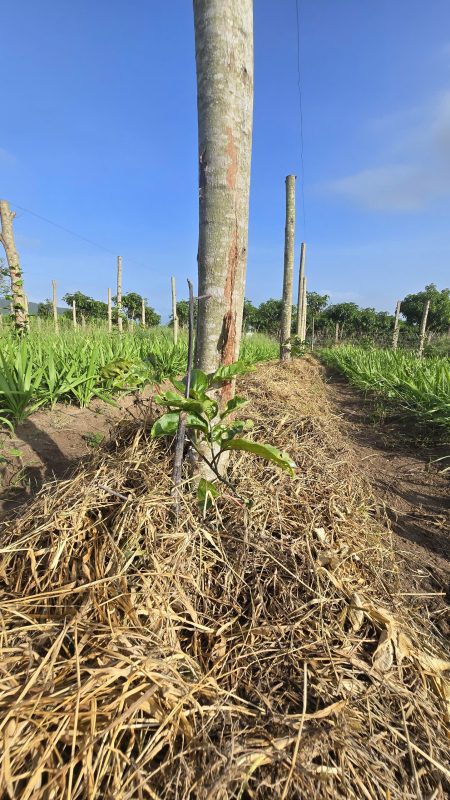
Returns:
(417, 170)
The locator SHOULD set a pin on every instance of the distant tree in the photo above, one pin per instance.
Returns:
(86, 306)
(132, 309)
(315, 305)
(439, 314)
(268, 316)
(45, 309)
(249, 316)
(183, 314)
(346, 314)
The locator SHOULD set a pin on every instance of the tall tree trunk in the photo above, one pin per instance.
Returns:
(289, 237)
(174, 311)
(224, 60)
(423, 328)
(119, 294)
(15, 272)
(396, 326)
(55, 307)
(300, 288)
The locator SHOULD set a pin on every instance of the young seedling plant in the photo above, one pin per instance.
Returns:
(194, 414)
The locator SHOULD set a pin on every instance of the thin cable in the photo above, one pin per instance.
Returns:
(300, 99)
(73, 233)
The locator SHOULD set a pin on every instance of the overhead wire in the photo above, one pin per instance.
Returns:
(300, 100)
(74, 233)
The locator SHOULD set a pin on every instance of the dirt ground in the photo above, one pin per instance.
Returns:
(413, 491)
(408, 480)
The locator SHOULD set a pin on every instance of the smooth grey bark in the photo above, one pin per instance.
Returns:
(289, 239)
(224, 62)
(174, 311)
(300, 288)
(109, 311)
(423, 328)
(119, 294)
(7, 239)
(396, 326)
(55, 307)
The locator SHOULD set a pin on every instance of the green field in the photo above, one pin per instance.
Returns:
(77, 366)
(420, 388)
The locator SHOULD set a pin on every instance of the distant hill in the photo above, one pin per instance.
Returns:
(32, 308)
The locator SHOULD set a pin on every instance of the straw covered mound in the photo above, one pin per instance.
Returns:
(253, 654)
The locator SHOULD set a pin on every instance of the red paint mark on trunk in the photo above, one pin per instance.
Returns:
(232, 155)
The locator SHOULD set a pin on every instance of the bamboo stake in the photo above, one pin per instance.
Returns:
(119, 294)
(423, 328)
(289, 236)
(174, 311)
(336, 334)
(300, 288)
(55, 308)
(109, 312)
(143, 313)
(74, 314)
(396, 326)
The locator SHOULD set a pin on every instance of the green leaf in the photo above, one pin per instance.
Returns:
(229, 371)
(178, 385)
(166, 425)
(15, 452)
(206, 492)
(266, 451)
(199, 381)
(224, 433)
(233, 405)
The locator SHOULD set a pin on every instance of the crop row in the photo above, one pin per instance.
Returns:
(76, 367)
(418, 387)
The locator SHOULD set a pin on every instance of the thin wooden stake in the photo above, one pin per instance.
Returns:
(396, 326)
(74, 314)
(109, 312)
(181, 432)
(18, 303)
(143, 313)
(423, 328)
(174, 311)
(119, 294)
(336, 334)
(55, 308)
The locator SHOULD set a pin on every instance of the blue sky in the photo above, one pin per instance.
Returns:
(99, 134)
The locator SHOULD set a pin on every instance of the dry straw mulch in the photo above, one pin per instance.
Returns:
(254, 654)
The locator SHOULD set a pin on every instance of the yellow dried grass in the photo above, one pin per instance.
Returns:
(253, 654)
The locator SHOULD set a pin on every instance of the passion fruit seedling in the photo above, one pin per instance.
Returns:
(209, 430)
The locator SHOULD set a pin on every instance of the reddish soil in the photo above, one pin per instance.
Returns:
(52, 443)
(411, 488)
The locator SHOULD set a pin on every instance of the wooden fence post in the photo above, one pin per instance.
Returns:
(74, 314)
(423, 328)
(289, 237)
(109, 312)
(304, 309)
(300, 288)
(143, 313)
(336, 333)
(55, 308)
(396, 326)
(19, 309)
(174, 311)
(119, 294)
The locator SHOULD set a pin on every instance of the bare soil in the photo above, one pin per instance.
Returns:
(52, 443)
(407, 479)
